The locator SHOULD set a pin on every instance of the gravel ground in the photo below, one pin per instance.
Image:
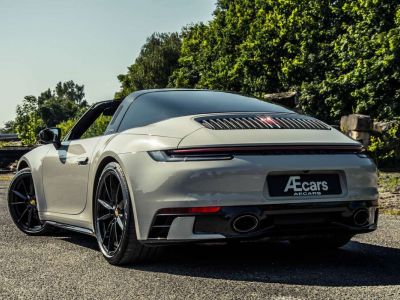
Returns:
(389, 192)
(69, 266)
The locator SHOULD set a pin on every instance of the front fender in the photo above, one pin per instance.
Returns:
(33, 160)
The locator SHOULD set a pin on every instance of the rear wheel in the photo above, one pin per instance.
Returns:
(114, 220)
(322, 243)
(22, 204)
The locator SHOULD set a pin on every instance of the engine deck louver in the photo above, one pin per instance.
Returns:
(261, 121)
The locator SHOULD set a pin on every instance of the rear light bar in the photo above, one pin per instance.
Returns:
(171, 156)
(226, 153)
(190, 210)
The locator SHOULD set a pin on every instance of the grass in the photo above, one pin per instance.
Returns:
(389, 181)
(6, 177)
(392, 212)
(389, 200)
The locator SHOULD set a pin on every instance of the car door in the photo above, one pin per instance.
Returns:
(65, 175)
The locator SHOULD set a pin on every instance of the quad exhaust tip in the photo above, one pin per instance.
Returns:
(245, 223)
(361, 217)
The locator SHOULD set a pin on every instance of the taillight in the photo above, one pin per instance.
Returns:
(228, 152)
(177, 155)
(190, 210)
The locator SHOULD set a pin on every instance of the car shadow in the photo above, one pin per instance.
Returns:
(78, 239)
(356, 264)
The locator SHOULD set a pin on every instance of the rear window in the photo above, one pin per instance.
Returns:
(158, 106)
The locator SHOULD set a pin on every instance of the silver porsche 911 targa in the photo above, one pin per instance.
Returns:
(177, 166)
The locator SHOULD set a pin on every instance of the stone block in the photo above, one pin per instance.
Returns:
(361, 136)
(359, 122)
(343, 124)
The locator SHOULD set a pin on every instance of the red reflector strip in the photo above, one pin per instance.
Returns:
(356, 148)
(190, 210)
(204, 210)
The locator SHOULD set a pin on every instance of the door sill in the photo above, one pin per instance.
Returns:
(72, 228)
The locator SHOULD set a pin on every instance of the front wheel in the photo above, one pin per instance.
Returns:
(22, 205)
(114, 220)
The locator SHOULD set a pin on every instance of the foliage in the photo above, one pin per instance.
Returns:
(28, 122)
(62, 103)
(98, 127)
(66, 126)
(52, 107)
(385, 148)
(7, 144)
(8, 127)
(340, 56)
(157, 60)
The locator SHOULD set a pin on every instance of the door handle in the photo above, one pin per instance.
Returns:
(83, 161)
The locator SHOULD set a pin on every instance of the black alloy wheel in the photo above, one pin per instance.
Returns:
(111, 213)
(22, 204)
(114, 221)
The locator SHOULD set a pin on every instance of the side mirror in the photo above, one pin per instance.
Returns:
(50, 136)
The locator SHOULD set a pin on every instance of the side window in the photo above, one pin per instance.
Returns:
(143, 112)
(111, 128)
(98, 127)
(94, 121)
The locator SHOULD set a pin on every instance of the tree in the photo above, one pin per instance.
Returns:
(28, 122)
(157, 60)
(52, 107)
(96, 129)
(62, 103)
(8, 127)
(341, 56)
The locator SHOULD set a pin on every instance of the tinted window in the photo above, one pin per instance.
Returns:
(157, 106)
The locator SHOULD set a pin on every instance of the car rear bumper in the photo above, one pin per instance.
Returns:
(240, 184)
(281, 222)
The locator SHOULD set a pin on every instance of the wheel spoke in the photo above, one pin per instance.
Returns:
(107, 191)
(120, 223)
(24, 186)
(107, 231)
(17, 203)
(116, 195)
(113, 195)
(121, 204)
(31, 188)
(104, 204)
(22, 215)
(30, 214)
(103, 237)
(105, 217)
(111, 236)
(20, 195)
(116, 235)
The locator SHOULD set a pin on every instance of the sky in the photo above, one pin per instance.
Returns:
(43, 42)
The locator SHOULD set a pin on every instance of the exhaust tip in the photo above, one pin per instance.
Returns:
(245, 223)
(361, 217)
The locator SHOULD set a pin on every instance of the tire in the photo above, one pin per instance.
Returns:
(114, 220)
(22, 205)
(322, 243)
